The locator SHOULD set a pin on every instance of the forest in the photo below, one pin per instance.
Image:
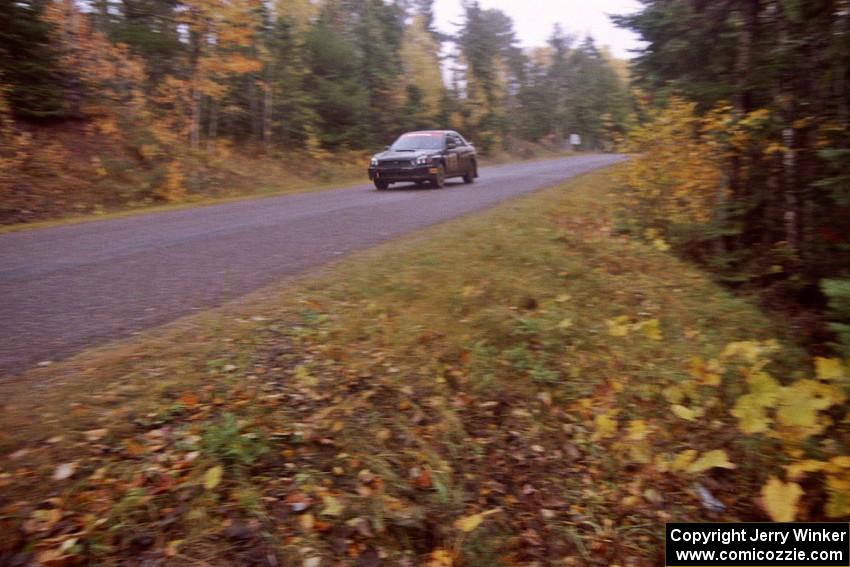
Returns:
(745, 146)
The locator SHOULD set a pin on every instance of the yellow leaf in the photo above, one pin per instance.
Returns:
(703, 373)
(618, 326)
(304, 377)
(660, 244)
(800, 403)
(637, 430)
(333, 507)
(752, 417)
(839, 462)
(683, 460)
(565, 323)
(640, 452)
(745, 350)
(440, 558)
(469, 523)
(710, 460)
(673, 394)
(798, 469)
(780, 499)
(689, 414)
(829, 368)
(764, 389)
(212, 478)
(605, 426)
(651, 328)
(838, 504)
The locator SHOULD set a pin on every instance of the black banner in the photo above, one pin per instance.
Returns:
(757, 544)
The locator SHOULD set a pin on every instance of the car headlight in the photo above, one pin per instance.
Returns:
(374, 161)
(422, 160)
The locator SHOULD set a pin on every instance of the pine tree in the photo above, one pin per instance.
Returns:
(28, 62)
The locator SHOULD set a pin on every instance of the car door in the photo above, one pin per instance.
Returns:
(465, 154)
(453, 151)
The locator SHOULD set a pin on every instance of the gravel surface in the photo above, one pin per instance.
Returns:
(66, 288)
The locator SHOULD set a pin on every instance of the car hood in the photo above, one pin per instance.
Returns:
(405, 155)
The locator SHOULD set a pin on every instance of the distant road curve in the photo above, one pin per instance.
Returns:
(66, 288)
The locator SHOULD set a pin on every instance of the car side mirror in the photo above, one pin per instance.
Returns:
(386, 148)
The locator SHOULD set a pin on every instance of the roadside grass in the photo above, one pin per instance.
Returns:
(460, 396)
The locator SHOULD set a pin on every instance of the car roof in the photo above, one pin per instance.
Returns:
(431, 133)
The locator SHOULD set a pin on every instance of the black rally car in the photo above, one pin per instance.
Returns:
(426, 156)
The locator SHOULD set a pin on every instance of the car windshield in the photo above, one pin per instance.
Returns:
(419, 142)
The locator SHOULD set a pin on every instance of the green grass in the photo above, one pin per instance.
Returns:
(453, 371)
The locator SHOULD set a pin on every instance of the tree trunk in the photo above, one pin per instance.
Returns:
(268, 109)
(789, 174)
(195, 136)
(212, 129)
(73, 82)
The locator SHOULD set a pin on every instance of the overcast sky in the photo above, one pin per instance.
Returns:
(533, 20)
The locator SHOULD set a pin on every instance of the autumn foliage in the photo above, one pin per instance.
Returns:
(675, 178)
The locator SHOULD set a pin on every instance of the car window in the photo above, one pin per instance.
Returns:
(458, 141)
(419, 141)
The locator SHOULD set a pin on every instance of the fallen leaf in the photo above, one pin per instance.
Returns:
(469, 523)
(307, 521)
(212, 478)
(652, 329)
(828, 368)
(18, 454)
(440, 558)
(96, 434)
(686, 413)
(618, 326)
(64, 471)
(188, 400)
(780, 499)
(333, 507)
(683, 460)
(637, 430)
(710, 460)
(605, 425)
(423, 478)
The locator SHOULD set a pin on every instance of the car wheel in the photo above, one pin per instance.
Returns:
(440, 178)
(381, 185)
(471, 174)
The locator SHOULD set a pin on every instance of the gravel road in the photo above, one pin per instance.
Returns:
(66, 288)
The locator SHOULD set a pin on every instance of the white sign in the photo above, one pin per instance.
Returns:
(575, 140)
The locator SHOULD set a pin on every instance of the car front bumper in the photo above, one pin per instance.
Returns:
(393, 174)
